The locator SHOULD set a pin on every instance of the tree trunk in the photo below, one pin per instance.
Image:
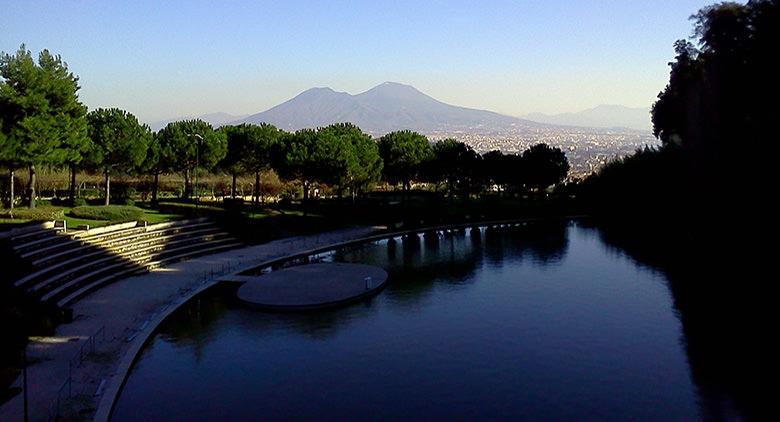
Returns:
(108, 188)
(305, 195)
(186, 194)
(233, 187)
(11, 185)
(405, 191)
(72, 189)
(154, 187)
(256, 197)
(32, 186)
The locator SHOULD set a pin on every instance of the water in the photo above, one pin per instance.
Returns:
(538, 322)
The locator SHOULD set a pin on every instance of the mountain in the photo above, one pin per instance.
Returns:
(386, 107)
(215, 119)
(604, 116)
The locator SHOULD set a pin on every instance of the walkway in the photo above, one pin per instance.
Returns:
(124, 313)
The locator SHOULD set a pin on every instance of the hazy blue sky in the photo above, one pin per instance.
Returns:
(162, 59)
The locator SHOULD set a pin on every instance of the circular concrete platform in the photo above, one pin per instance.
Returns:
(312, 286)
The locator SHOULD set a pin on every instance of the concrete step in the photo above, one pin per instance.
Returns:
(77, 288)
(110, 270)
(151, 233)
(93, 257)
(64, 250)
(40, 240)
(96, 284)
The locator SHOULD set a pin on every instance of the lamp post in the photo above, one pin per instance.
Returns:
(199, 139)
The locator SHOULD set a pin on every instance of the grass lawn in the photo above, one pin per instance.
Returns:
(149, 215)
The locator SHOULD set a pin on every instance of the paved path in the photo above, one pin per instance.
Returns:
(126, 311)
(312, 286)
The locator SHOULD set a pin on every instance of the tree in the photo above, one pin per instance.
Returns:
(153, 164)
(294, 158)
(119, 143)
(369, 164)
(544, 166)
(185, 145)
(231, 163)
(42, 120)
(716, 109)
(301, 156)
(402, 153)
(454, 163)
(354, 156)
(503, 170)
(256, 143)
(8, 157)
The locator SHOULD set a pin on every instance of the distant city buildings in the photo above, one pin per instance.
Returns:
(586, 148)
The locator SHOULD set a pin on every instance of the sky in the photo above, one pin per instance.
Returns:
(168, 59)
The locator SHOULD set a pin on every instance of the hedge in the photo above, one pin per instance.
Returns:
(115, 213)
(35, 214)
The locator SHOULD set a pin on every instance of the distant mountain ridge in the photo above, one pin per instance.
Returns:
(384, 108)
(394, 106)
(215, 119)
(603, 116)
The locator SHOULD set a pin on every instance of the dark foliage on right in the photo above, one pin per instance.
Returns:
(716, 120)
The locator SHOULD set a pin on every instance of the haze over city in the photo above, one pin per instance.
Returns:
(168, 60)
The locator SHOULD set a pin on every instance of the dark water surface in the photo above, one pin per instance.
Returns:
(540, 322)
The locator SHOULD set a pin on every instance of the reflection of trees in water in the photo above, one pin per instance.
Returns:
(415, 264)
(724, 332)
(192, 325)
(543, 243)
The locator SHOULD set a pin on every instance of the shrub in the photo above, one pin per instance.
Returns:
(115, 213)
(79, 202)
(35, 214)
(233, 203)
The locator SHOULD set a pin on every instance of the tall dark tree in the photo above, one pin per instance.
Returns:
(231, 163)
(40, 112)
(307, 157)
(717, 106)
(455, 164)
(544, 166)
(119, 142)
(402, 153)
(257, 143)
(355, 160)
(9, 158)
(190, 144)
(502, 170)
(153, 165)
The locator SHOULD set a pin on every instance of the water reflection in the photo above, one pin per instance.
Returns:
(414, 264)
(724, 323)
(534, 321)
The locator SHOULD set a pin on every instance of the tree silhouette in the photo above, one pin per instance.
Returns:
(231, 163)
(300, 156)
(544, 166)
(357, 162)
(187, 144)
(454, 163)
(249, 150)
(42, 118)
(119, 143)
(717, 106)
(402, 153)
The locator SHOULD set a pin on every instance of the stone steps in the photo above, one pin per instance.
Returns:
(67, 266)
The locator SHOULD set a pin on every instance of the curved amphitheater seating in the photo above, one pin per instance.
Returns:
(68, 265)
